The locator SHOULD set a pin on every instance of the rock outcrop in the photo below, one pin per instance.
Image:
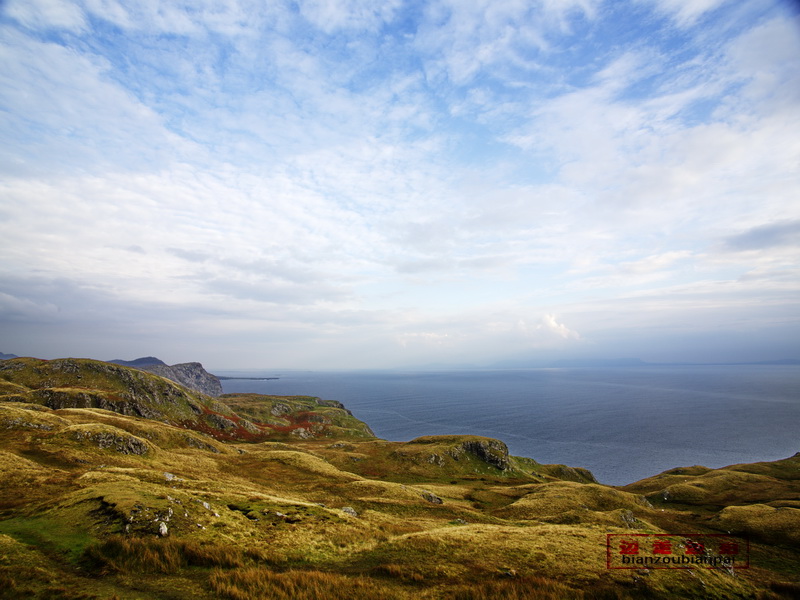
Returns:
(191, 375)
(490, 451)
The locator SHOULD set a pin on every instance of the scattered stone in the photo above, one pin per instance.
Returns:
(506, 572)
(349, 510)
(303, 433)
(169, 476)
(431, 497)
(162, 529)
(342, 445)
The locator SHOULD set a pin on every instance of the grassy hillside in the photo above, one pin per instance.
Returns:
(82, 383)
(97, 503)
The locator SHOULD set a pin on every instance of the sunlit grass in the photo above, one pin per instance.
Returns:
(349, 518)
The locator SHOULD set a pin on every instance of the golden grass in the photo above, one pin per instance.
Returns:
(264, 584)
(18, 417)
(767, 523)
(164, 556)
(513, 588)
(551, 500)
(303, 461)
(734, 485)
(382, 491)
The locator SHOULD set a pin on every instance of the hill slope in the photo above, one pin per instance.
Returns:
(83, 383)
(104, 503)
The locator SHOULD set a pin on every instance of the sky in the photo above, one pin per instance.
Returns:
(347, 184)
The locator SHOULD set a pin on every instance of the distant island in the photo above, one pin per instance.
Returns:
(224, 378)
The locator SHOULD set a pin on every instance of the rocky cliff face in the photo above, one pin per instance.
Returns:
(191, 375)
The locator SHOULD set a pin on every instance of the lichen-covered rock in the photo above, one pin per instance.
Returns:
(107, 438)
(220, 422)
(491, 451)
(280, 409)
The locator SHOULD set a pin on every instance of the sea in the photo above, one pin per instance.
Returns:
(621, 423)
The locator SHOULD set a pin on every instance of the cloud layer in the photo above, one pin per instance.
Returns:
(375, 184)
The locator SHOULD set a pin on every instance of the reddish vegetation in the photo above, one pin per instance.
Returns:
(299, 420)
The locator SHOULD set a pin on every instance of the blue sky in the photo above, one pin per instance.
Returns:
(356, 184)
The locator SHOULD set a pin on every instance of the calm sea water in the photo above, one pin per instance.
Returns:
(623, 424)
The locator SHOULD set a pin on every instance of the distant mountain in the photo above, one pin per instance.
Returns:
(7, 356)
(784, 361)
(600, 362)
(139, 362)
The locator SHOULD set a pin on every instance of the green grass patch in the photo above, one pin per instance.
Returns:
(49, 535)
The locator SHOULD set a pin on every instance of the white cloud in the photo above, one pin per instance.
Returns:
(550, 324)
(353, 177)
(686, 13)
(463, 38)
(767, 59)
(331, 15)
(46, 14)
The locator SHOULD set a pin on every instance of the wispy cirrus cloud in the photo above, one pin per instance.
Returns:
(346, 176)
